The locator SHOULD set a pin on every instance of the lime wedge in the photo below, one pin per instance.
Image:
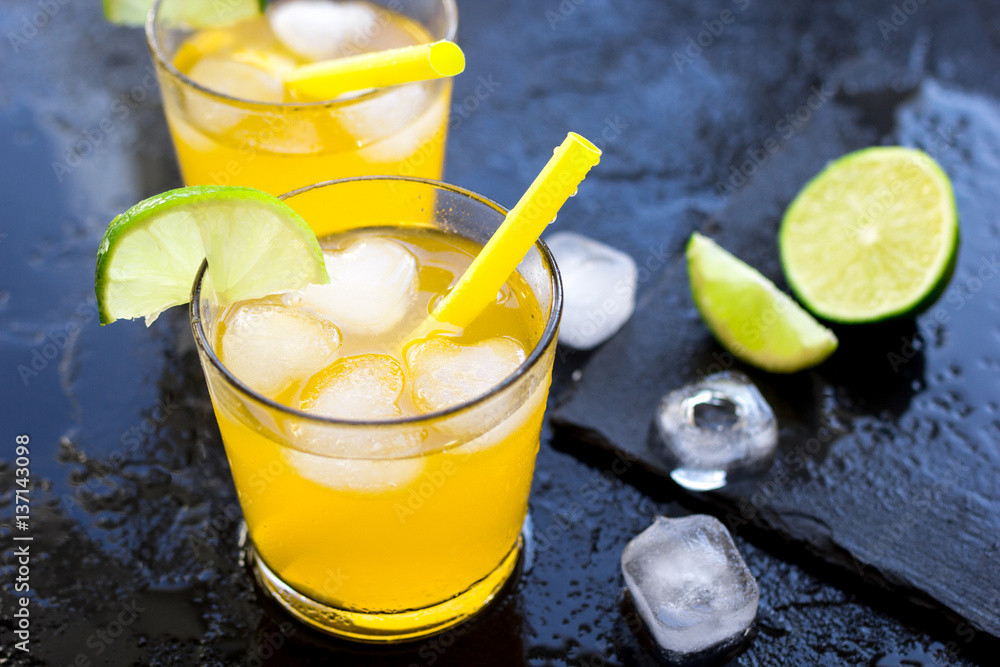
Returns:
(751, 317)
(255, 245)
(873, 236)
(193, 13)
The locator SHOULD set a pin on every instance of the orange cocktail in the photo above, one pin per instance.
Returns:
(234, 122)
(384, 480)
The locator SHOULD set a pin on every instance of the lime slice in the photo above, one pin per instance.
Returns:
(751, 317)
(255, 245)
(193, 13)
(873, 236)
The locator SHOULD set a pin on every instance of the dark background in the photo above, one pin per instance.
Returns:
(133, 505)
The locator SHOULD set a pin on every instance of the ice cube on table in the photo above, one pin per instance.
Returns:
(360, 388)
(268, 346)
(360, 459)
(445, 373)
(235, 79)
(372, 283)
(715, 430)
(690, 586)
(599, 285)
(320, 29)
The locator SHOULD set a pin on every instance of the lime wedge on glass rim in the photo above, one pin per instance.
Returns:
(873, 236)
(193, 13)
(254, 243)
(751, 317)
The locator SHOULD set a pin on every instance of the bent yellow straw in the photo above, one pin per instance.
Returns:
(498, 259)
(328, 79)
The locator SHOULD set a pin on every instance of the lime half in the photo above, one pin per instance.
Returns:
(873, 236)
(255, 245)
(193, 13)
(751, 317)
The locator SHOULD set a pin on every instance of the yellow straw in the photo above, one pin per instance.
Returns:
(498, 259)
(329, 79)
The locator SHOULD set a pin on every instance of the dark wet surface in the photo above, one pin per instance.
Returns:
(133, 513)
(889, 459)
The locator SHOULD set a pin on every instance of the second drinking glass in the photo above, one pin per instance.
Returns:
(233, 122)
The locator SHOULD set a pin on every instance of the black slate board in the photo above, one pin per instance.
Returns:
(890, 452)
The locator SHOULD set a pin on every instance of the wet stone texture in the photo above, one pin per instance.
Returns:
(133, 514)
(889, 452)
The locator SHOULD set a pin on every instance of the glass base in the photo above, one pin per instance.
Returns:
(381, 628)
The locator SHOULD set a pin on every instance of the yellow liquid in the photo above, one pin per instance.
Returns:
(455, 515)
(278, 146)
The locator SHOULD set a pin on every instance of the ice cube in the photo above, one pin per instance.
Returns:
(358, 475)
(235, 79)
(355, 458)
(268, 346)
(395, 124)
(690, 586)
(599, 289)
(361, 388)
(506, 424)
(715, 430)
(320, 29)
(445, 373)
(372, 283)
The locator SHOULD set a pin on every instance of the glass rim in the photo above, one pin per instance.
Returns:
(161, 59)
(531, 360)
